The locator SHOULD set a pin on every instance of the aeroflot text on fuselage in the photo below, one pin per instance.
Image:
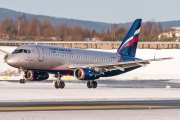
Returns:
(60, 49)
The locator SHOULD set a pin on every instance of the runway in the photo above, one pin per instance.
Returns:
(89, 105)
(128, 99)
(110, 95)
(110, 83)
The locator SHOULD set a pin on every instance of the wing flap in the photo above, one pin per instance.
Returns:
(120, 68)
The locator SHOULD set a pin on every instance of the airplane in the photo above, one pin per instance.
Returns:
(36, 61)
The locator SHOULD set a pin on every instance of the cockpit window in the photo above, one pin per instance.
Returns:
(25, 51)
(21, 51)
(29, 51)
(18, 51)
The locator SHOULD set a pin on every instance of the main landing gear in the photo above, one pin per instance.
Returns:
(59, 83)
(22, 81)
(92, 84)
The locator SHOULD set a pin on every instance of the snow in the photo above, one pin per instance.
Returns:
(4, 67)
(125, 89)
(118, 88)
(78, 91)
(151, 114)
(8, 49)
(170, 34)
(168, 69)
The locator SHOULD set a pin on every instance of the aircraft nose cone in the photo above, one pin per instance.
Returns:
(10, 61)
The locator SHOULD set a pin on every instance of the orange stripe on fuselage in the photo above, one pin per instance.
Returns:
(61, 69)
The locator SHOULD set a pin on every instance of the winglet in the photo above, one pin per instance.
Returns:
(168, 58)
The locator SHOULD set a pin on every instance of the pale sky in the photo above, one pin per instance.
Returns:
(110, 11)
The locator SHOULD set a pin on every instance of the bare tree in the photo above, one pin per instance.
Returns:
(47, 28)
(20, 23)
(114, 29)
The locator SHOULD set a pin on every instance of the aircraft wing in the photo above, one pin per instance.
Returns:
(120, 65)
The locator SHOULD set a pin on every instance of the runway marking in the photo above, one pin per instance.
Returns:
(94, 107)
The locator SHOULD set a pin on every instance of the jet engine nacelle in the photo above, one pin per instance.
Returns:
(36, 75)
(86, 74)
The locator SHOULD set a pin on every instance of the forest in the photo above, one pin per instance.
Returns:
(37, 30)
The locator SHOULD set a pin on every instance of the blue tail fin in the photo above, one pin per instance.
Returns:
(129, 44)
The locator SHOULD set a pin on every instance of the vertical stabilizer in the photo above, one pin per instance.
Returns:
(129, 44)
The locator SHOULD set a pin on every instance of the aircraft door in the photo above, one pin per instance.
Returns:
(41, 53)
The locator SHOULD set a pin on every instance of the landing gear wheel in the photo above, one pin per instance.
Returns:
(94, 84)
(61, 84)
(56, 84)
(89, 85)
(22, 81)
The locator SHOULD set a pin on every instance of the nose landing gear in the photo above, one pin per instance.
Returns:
(22, 81)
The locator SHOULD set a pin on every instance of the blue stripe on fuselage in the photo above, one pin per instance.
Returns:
(106, 74)
(118, 72)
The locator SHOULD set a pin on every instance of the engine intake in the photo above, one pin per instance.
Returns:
(86, 74)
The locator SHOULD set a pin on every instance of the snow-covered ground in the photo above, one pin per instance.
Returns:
(115, 89)
(8, 49)
(155, 114)
(3, 66)
(111, 89)
(156, 70)
(45, 91)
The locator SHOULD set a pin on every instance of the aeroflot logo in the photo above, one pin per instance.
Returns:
(130, 42)
(60, 49)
